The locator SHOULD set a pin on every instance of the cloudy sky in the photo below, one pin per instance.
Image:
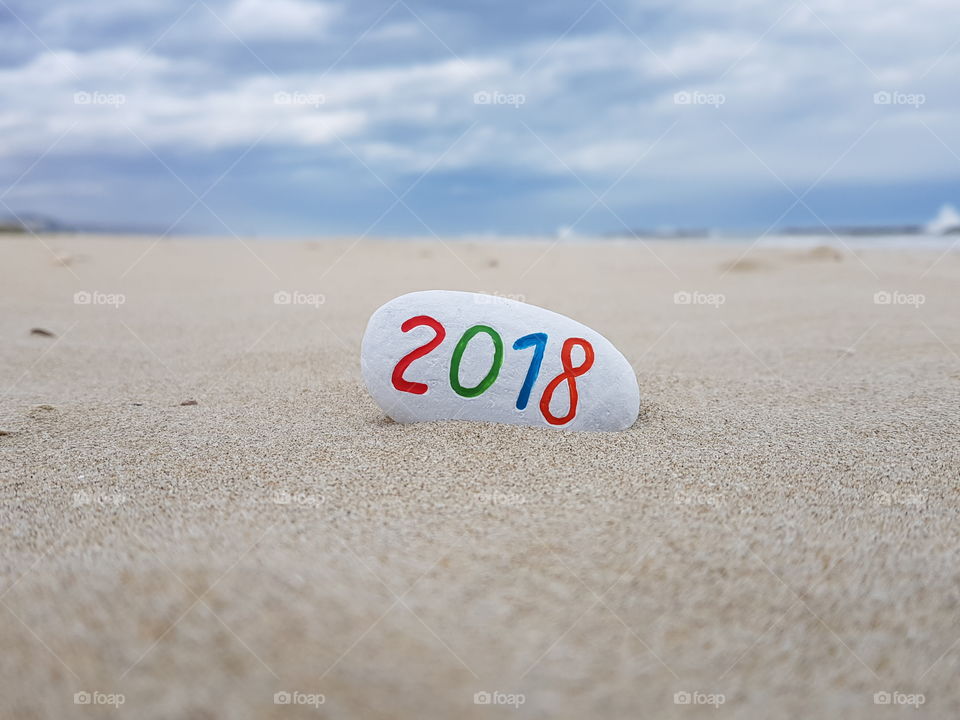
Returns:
(426, 116)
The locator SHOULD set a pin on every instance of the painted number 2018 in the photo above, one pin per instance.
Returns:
(537, 341)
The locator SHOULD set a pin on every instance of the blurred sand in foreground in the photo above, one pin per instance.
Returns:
(779, 527)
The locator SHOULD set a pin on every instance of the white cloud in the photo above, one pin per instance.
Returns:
(709, 53)
(796, 96)
(407, 31)
(278, 19)
(51, 94)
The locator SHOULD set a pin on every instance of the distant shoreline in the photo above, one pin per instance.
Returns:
(758, 239)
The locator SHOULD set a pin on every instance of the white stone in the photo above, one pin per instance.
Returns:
(607, 392)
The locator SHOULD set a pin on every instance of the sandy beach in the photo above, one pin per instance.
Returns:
(201, 507)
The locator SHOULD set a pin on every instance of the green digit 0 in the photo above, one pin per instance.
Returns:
(458, 355)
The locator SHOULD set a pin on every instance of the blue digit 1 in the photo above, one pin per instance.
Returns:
(538, 341)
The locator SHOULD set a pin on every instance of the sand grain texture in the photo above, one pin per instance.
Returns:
(780, 526)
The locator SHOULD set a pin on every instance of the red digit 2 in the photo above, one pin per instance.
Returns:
(398, 380)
